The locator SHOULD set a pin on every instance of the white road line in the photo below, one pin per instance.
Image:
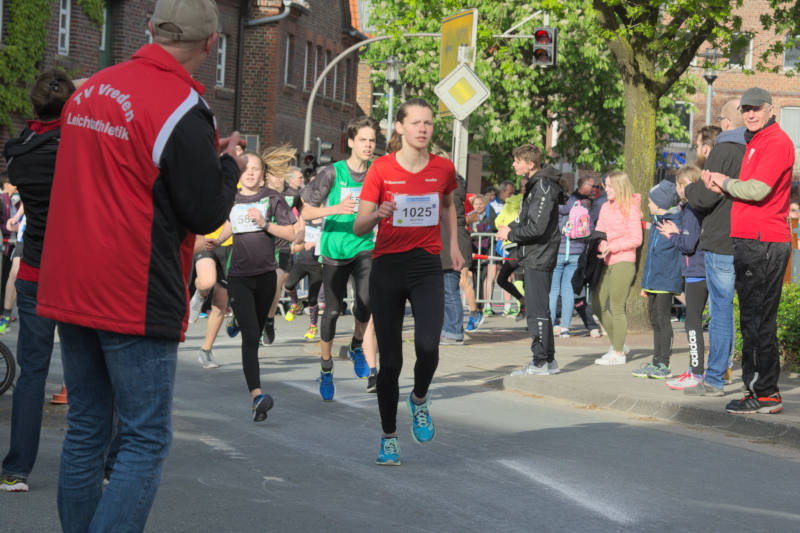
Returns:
(593, 502)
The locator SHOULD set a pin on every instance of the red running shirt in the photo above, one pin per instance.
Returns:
(385, 179)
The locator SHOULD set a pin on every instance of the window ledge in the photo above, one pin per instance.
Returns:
(224, 93)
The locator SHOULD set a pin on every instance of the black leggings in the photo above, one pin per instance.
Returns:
(415, 276)
(334, 279)
(660, 304)
(301, 270)
(696, 295)
(503, 279)
(250, 298)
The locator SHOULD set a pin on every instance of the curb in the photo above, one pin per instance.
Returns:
(765, 428)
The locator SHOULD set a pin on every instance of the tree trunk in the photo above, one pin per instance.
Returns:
(640, 165)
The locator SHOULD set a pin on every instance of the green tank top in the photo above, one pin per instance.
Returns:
(338, 240)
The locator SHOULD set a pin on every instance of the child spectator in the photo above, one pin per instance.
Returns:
(694, 272)
(620, 219)
(661, 279)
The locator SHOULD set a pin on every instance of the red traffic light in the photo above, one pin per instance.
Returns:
(544, 46)
(543, 37)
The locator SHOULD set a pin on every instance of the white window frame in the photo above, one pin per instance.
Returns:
(348, 68)
(64, 15)
(222, 51)
(748, 54)
(287, 58)
(796, 110)
(335, 79)
(796, 46)
(317, 53)
(103, 30)
(326, 58)
(305, 65)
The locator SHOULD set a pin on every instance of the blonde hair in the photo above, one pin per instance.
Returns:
(277, 160)
(623, 190)
(688, 174)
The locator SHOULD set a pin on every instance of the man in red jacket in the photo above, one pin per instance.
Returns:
(761, 246)
(137, 176)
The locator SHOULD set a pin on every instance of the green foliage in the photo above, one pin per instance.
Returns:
(24, 41)
(788, 323)
(583, 92)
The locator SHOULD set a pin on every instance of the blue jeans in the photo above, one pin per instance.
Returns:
(34, 348)
(562, 285)
(720, 278)
(453, 326)
(138, 374)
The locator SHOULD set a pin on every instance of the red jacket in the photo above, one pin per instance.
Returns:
(768, 158)
(137, 175)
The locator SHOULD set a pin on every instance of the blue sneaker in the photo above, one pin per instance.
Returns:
(475, 320)
(4, 322)
(645, 371)
(232, 327)
(389, 455)
(326, 387)
(421, 424)
(261, 404)
(360, 366)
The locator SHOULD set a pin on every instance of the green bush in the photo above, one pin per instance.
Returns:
(788, 327)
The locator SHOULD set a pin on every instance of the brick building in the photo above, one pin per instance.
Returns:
(733, 78)
(284, 46)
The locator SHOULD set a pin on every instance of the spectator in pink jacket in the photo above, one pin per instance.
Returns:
(621, 220)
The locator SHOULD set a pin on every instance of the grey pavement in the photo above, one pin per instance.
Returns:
(510, 454)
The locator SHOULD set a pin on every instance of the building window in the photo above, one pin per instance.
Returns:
(326, 82)
(63, 27)
(790, 123)
(252, 143)
(288, 61)
(307, 67)
(335, 80)
(741, 52)
(791, 51)
(348, 71)
(222, 46)
(318, 59)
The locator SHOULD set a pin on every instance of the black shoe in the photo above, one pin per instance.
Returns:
(520, 316)
(750, 404)
(261, 404)
(372, 383)
(703, 389)
(269, 332)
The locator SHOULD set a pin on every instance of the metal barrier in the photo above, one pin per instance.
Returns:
(485, 260)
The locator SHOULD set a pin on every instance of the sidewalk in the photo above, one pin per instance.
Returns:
(501, 345)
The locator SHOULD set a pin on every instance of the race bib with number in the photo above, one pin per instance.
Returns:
(241, 223)
(314, 234)
(416, 210)
(351, 192)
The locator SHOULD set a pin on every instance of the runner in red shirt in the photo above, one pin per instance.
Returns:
(409, 192)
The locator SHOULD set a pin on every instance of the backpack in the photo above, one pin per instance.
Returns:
(577, 225)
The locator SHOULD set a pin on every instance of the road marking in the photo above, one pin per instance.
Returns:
(579, 495)
(771, 513)
(221, 446)
(362, 400)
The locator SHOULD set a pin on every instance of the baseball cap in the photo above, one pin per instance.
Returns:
(755, 96)
(185, 20)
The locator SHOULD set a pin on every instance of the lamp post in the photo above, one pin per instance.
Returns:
(711, 57)
(392, 77)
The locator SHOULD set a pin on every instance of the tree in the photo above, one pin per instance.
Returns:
(25, 36)
(584, 92)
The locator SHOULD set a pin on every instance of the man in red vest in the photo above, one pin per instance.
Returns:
(137, 176)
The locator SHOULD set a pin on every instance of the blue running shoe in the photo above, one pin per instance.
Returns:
(421, 424)
(389, 455)
(261, 404)
(232, 327)
(475, 320)
(326, 387)
(360, 366)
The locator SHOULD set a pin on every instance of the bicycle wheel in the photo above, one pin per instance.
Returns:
(8, 368)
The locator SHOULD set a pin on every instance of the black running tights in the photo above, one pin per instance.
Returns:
(250, 298)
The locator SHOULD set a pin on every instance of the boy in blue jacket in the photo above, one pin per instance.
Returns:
(661, 279)
(693, 269)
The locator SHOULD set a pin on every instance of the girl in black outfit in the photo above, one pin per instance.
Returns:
(259, 215)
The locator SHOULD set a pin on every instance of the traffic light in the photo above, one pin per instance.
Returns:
(544, 46)
(322, 147)
(307, 165)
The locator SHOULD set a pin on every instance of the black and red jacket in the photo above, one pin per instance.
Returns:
(137, 175)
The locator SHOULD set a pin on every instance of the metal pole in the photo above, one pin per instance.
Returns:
(390, 112)
(321, 77)
(708, 103)
(460, 130)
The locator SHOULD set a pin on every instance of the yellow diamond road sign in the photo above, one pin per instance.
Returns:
(462, 91)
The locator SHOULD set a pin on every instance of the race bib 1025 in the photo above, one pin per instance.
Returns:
(416, 210)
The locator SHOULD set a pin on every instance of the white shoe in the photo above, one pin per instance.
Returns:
(207, 359)
(195, 305)
(611, 358)
(595, 333)
(532, 370)
(626, 349)
(552, 367)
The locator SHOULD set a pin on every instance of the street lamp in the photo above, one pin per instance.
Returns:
(393, 65)
(711, 57)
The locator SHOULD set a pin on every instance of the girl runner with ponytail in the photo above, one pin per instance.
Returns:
(408, 193)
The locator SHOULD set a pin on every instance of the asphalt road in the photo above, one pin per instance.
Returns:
(501, 461)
